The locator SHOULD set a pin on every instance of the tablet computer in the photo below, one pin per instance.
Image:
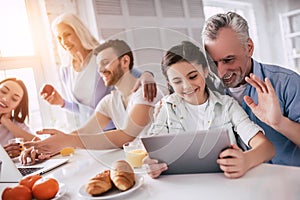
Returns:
(188, 152)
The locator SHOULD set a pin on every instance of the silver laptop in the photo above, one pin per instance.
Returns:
(188, 152)
(12, 172)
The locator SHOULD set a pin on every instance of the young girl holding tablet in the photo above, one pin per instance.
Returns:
(193, 106)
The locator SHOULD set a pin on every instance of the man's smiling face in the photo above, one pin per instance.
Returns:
(233, 60)
(110, 68)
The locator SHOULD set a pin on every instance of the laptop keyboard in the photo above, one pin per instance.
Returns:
(26, 171)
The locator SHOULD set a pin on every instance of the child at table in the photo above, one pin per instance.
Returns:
(193, 106)
(13, 112)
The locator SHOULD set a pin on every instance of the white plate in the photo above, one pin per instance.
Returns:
(113, 193)
(62, 190)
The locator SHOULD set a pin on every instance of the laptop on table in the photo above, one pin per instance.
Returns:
(12, 172)
(188, 152)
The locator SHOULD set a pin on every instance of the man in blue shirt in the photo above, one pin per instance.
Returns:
(269, 94)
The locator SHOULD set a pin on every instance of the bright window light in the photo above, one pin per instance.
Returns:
(15, 36)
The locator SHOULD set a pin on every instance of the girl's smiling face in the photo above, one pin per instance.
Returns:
(188, 81)
(11, 94)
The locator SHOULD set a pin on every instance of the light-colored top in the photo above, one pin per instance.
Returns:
(89, 79)
(194, 111)
(237, 93)
(78, 99)
(286, 84)
(84, 92)
(221, 111)
(6, 135)
(112, 106)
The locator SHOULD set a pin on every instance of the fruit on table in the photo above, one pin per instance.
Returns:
(45, 188)
(19, 192)
(28, 181)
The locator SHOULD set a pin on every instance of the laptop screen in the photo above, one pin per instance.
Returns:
(13, 172)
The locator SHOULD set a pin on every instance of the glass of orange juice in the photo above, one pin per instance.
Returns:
(134, 153)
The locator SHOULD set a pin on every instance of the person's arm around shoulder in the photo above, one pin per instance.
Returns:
(149, 85)
(268, 109)
(235, 163)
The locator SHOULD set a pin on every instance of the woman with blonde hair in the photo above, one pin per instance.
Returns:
(83, 86)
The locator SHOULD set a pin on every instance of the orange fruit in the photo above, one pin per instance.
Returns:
(45, 188)
(28, 181)
(20, 192)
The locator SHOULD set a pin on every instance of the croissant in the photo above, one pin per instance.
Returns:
(99, 184)
(122, 175)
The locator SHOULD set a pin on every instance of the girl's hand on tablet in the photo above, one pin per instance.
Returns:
(154, 169)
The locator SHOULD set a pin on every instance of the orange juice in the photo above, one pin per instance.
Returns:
(67, 151)
(135, 157)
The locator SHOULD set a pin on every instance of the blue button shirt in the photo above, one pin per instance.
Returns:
(287, 86)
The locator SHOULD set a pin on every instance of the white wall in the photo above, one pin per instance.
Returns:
(268, 27)
(266, 14)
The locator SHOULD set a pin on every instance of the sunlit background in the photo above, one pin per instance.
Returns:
(15, 38)
(28, 50)
(16, 43)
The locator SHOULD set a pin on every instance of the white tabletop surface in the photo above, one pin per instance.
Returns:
(263, 182)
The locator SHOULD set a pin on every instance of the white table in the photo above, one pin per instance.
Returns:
(264, 182)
